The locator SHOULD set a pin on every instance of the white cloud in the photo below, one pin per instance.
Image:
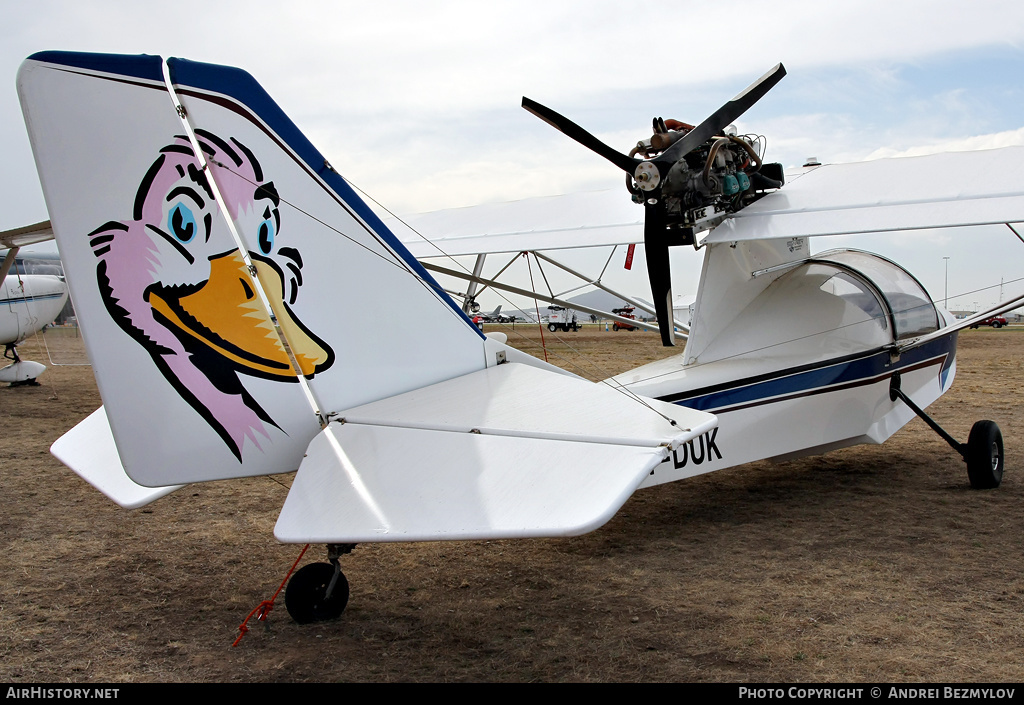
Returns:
(1009, 138)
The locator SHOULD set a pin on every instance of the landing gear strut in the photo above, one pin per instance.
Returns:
(319, 591)
(983, 451)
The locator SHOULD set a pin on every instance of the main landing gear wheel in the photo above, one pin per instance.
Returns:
(985, 455)
(307, 597)
(983, 451)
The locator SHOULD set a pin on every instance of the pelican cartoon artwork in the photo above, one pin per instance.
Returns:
(193, 305)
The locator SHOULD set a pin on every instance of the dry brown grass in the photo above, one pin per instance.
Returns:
(877, 563)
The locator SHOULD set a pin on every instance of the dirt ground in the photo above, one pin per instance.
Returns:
(876, 563)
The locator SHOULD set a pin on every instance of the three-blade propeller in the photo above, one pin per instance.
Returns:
(656, 242)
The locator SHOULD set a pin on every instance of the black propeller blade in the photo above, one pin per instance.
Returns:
(659, 270)
(571, 129)
(722, 118)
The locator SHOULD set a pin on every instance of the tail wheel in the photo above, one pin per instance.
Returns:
(985, 455)
(307, 597)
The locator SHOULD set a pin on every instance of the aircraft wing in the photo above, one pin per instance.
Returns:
(952, 189)
(586, 219)
(28, 235)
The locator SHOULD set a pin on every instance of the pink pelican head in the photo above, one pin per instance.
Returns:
(183, 291)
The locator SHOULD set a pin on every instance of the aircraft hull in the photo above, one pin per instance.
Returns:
(28, 303)
(806, 410)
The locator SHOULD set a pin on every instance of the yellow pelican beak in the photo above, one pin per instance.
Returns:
(227, 316)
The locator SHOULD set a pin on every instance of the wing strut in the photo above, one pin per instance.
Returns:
(541, 297)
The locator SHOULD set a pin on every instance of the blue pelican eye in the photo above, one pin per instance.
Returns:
(266, 236)
(181, 222)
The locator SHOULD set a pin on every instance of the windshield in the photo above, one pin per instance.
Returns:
(912, 308)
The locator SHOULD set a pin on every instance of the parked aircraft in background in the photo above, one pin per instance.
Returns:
(434, 431)
(28, 303)
(492, 317)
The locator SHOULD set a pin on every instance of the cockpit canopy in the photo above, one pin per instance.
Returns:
(907, 305)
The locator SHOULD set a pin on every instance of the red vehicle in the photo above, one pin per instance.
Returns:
(994, 321)
(625, 312)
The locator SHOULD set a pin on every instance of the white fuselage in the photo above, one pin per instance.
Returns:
(803, 410)
(28, 302)
(795, 353)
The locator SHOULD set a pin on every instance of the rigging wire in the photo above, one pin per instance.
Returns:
(435, 292)
(388, 256)
(606, 378)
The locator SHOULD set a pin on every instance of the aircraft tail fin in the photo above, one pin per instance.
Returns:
(212, 253)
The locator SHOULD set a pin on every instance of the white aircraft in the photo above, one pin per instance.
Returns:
(204, 239)
(28, 303)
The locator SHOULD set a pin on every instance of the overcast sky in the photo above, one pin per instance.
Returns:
(418, 103)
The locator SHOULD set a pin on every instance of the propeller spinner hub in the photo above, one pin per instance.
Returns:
(647, 176)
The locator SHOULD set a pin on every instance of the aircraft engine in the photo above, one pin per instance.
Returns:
(720, 176)
(688, 179)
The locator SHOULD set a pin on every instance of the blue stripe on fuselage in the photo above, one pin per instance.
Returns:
(30, 299)
(791, 382)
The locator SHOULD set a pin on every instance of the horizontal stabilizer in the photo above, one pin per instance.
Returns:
(509, 451)
(953, 189)
(89, 450)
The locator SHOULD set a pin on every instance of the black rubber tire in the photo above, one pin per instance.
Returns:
(304, 596)
(985, 455)
(552, 327)
(615, 327)
(997, 325)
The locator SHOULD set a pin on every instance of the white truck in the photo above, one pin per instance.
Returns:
(561, 318)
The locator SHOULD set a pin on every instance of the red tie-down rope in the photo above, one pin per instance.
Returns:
(263, 608)
(536, 307)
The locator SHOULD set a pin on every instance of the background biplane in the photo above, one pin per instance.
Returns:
(28, 302)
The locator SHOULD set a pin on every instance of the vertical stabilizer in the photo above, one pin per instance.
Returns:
(173, 260)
